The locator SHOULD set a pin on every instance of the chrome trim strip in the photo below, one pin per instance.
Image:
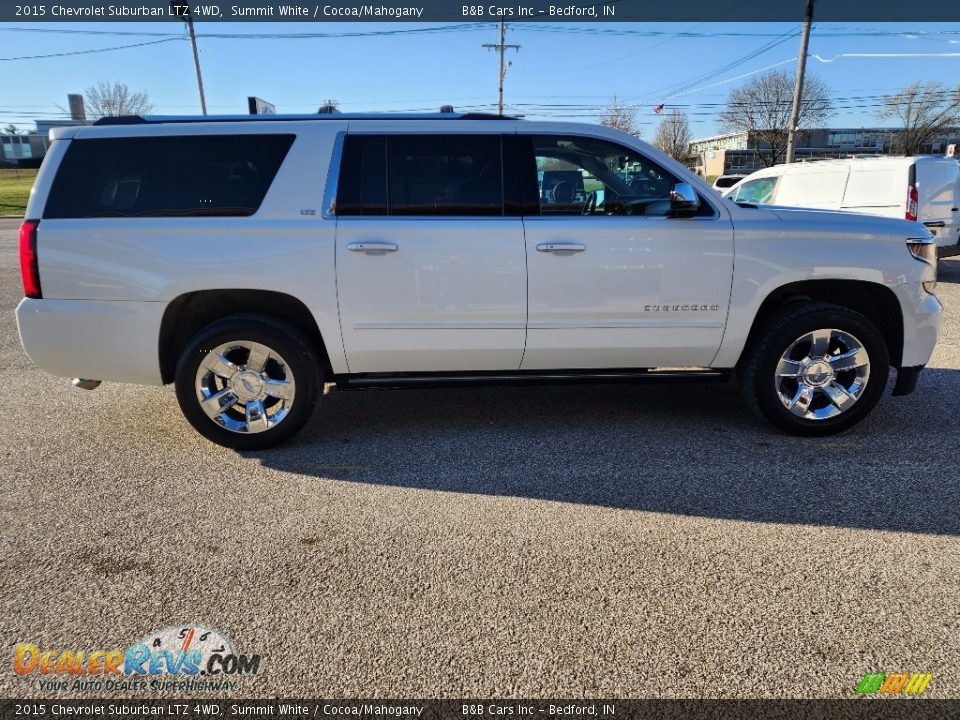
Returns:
(672, 321)
(608, 325)
(519, 325)
(329, 208)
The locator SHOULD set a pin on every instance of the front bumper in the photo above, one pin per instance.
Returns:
(100, 340)
(922, 317)
(907, 378)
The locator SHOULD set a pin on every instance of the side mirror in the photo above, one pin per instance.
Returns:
(684, 199)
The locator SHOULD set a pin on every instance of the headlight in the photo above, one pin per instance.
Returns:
(925, 250)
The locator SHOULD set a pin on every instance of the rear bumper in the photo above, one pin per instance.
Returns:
(99, 340)
(922, 317)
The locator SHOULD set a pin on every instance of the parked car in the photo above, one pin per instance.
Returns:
(724, 182)
(925, 189)
(250, 260)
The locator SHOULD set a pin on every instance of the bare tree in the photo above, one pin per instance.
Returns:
(926, 110)
(12, 129)
(762, 107)
(621, 117)
(673, 135)
(106, 99)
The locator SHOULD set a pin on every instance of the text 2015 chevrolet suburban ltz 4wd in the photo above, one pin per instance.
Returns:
(251, 260)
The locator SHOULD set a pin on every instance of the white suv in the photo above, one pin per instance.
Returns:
(250, 260)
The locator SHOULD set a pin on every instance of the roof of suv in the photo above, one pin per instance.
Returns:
(165, 119)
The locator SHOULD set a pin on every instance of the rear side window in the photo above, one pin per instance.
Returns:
(424, 175)
(176, 176)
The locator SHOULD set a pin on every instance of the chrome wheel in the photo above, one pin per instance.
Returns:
(245, 387)
(822, 374)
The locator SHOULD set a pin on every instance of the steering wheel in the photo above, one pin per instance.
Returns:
(590, 206)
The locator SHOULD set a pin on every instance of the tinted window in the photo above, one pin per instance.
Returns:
(585, 176)
(727, 182)
(362, 189)
(421, 175)
(756, 192)
(445, 175)
(195, 175)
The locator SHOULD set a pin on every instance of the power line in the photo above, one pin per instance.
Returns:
(677, 88)
(88, 52)
(461, 27)
(519, 27)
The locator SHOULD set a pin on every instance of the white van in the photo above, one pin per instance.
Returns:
(926, 189)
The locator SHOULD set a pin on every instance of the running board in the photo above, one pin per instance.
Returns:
(370, 381)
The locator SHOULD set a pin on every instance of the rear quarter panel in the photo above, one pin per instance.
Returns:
(286, 246)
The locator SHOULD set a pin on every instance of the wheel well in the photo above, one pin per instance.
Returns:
(877, 302)
(189, 313)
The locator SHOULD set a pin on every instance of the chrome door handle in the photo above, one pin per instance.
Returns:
(561, 247)
(369, 246)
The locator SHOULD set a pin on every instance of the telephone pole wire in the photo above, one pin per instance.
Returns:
(502, 48)
(798, 88)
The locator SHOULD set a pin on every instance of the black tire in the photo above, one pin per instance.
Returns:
(759, 368)
(286, 341)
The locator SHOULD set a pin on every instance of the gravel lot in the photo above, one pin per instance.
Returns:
(628, 541)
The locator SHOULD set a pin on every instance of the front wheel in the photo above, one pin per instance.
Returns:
(817, 369)
(247, 382)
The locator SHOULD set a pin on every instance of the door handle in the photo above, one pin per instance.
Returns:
(370, 246)
(561, 247)
(936, 224)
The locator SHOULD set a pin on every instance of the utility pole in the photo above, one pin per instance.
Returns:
(502, 48)
(182, 9)
(798, 88)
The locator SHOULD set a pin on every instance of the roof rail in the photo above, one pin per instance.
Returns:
(168, 119)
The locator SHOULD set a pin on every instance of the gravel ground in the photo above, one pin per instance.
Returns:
(629, 541)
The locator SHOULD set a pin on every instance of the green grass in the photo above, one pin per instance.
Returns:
(14, 190)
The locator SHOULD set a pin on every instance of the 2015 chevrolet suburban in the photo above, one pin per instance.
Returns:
(250, 260)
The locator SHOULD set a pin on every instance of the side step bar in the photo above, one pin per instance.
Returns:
(370, 381)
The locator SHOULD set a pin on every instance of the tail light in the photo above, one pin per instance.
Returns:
(29, 268)
(913, 203)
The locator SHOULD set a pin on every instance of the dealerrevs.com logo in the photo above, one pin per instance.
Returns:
(189, 658)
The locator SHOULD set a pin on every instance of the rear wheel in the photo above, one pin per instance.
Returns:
(247, 382)
(817, 369)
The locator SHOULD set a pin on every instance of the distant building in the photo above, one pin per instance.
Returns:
(738, 152)
(28, 149)
(45, 126)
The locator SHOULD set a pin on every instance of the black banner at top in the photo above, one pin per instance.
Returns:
(219, 11)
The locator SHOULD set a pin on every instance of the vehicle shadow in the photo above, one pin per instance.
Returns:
(688, 450)
(948, 270)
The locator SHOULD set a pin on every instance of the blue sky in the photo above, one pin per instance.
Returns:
(578, 66)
